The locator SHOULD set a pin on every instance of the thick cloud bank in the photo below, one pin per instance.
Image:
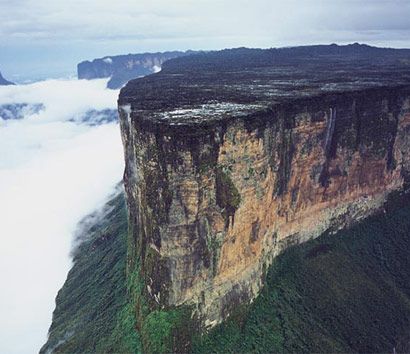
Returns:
(54, 169)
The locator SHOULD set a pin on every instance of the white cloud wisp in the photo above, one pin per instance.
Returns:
(53, 172)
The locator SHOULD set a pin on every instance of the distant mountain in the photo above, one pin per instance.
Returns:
(122, 68)
(4, 82)
(352, 56)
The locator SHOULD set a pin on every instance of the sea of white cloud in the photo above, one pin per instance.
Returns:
(53, 171)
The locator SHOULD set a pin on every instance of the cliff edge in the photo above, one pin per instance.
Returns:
(233, 156)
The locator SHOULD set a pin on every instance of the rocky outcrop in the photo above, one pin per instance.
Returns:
(4, 82)
(122, 68)
(227, 168)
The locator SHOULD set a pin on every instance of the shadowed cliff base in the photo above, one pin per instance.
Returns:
(348, 292)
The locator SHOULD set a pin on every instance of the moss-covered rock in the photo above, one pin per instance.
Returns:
(227, 195)
(168, 331)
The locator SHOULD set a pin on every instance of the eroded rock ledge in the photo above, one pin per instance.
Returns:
(233, 156)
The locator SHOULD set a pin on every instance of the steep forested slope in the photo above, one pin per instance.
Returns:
(347, 292)
(92, 312)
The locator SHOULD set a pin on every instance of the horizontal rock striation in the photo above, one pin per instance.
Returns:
(231, 157)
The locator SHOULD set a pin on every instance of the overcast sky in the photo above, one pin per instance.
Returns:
(40, 37)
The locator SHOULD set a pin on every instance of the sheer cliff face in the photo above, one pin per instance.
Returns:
(216, 192)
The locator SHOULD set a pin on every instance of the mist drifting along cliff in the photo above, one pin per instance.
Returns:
(122, 68)
(233, 156)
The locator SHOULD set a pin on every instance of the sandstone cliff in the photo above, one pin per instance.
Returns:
(122, 68)
(231, 157)
(322, 296)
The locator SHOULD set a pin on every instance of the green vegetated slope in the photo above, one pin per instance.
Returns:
(347, 292)
(92, 312)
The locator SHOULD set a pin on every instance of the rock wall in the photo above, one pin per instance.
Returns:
(211, 204)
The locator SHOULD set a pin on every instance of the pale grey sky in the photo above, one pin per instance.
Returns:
(44, 37)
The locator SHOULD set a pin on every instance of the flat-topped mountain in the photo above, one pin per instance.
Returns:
(122, 68)
(4, 82)
(234, 156)
(266, 210)
(239, 78)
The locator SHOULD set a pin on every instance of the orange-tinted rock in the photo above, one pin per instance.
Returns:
(213, 200)
(292, 187)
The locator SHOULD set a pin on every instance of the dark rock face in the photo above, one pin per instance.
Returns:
(233, 156)
(122, 68)
(4, 82)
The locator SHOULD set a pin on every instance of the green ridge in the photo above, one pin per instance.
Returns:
(93, 314)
